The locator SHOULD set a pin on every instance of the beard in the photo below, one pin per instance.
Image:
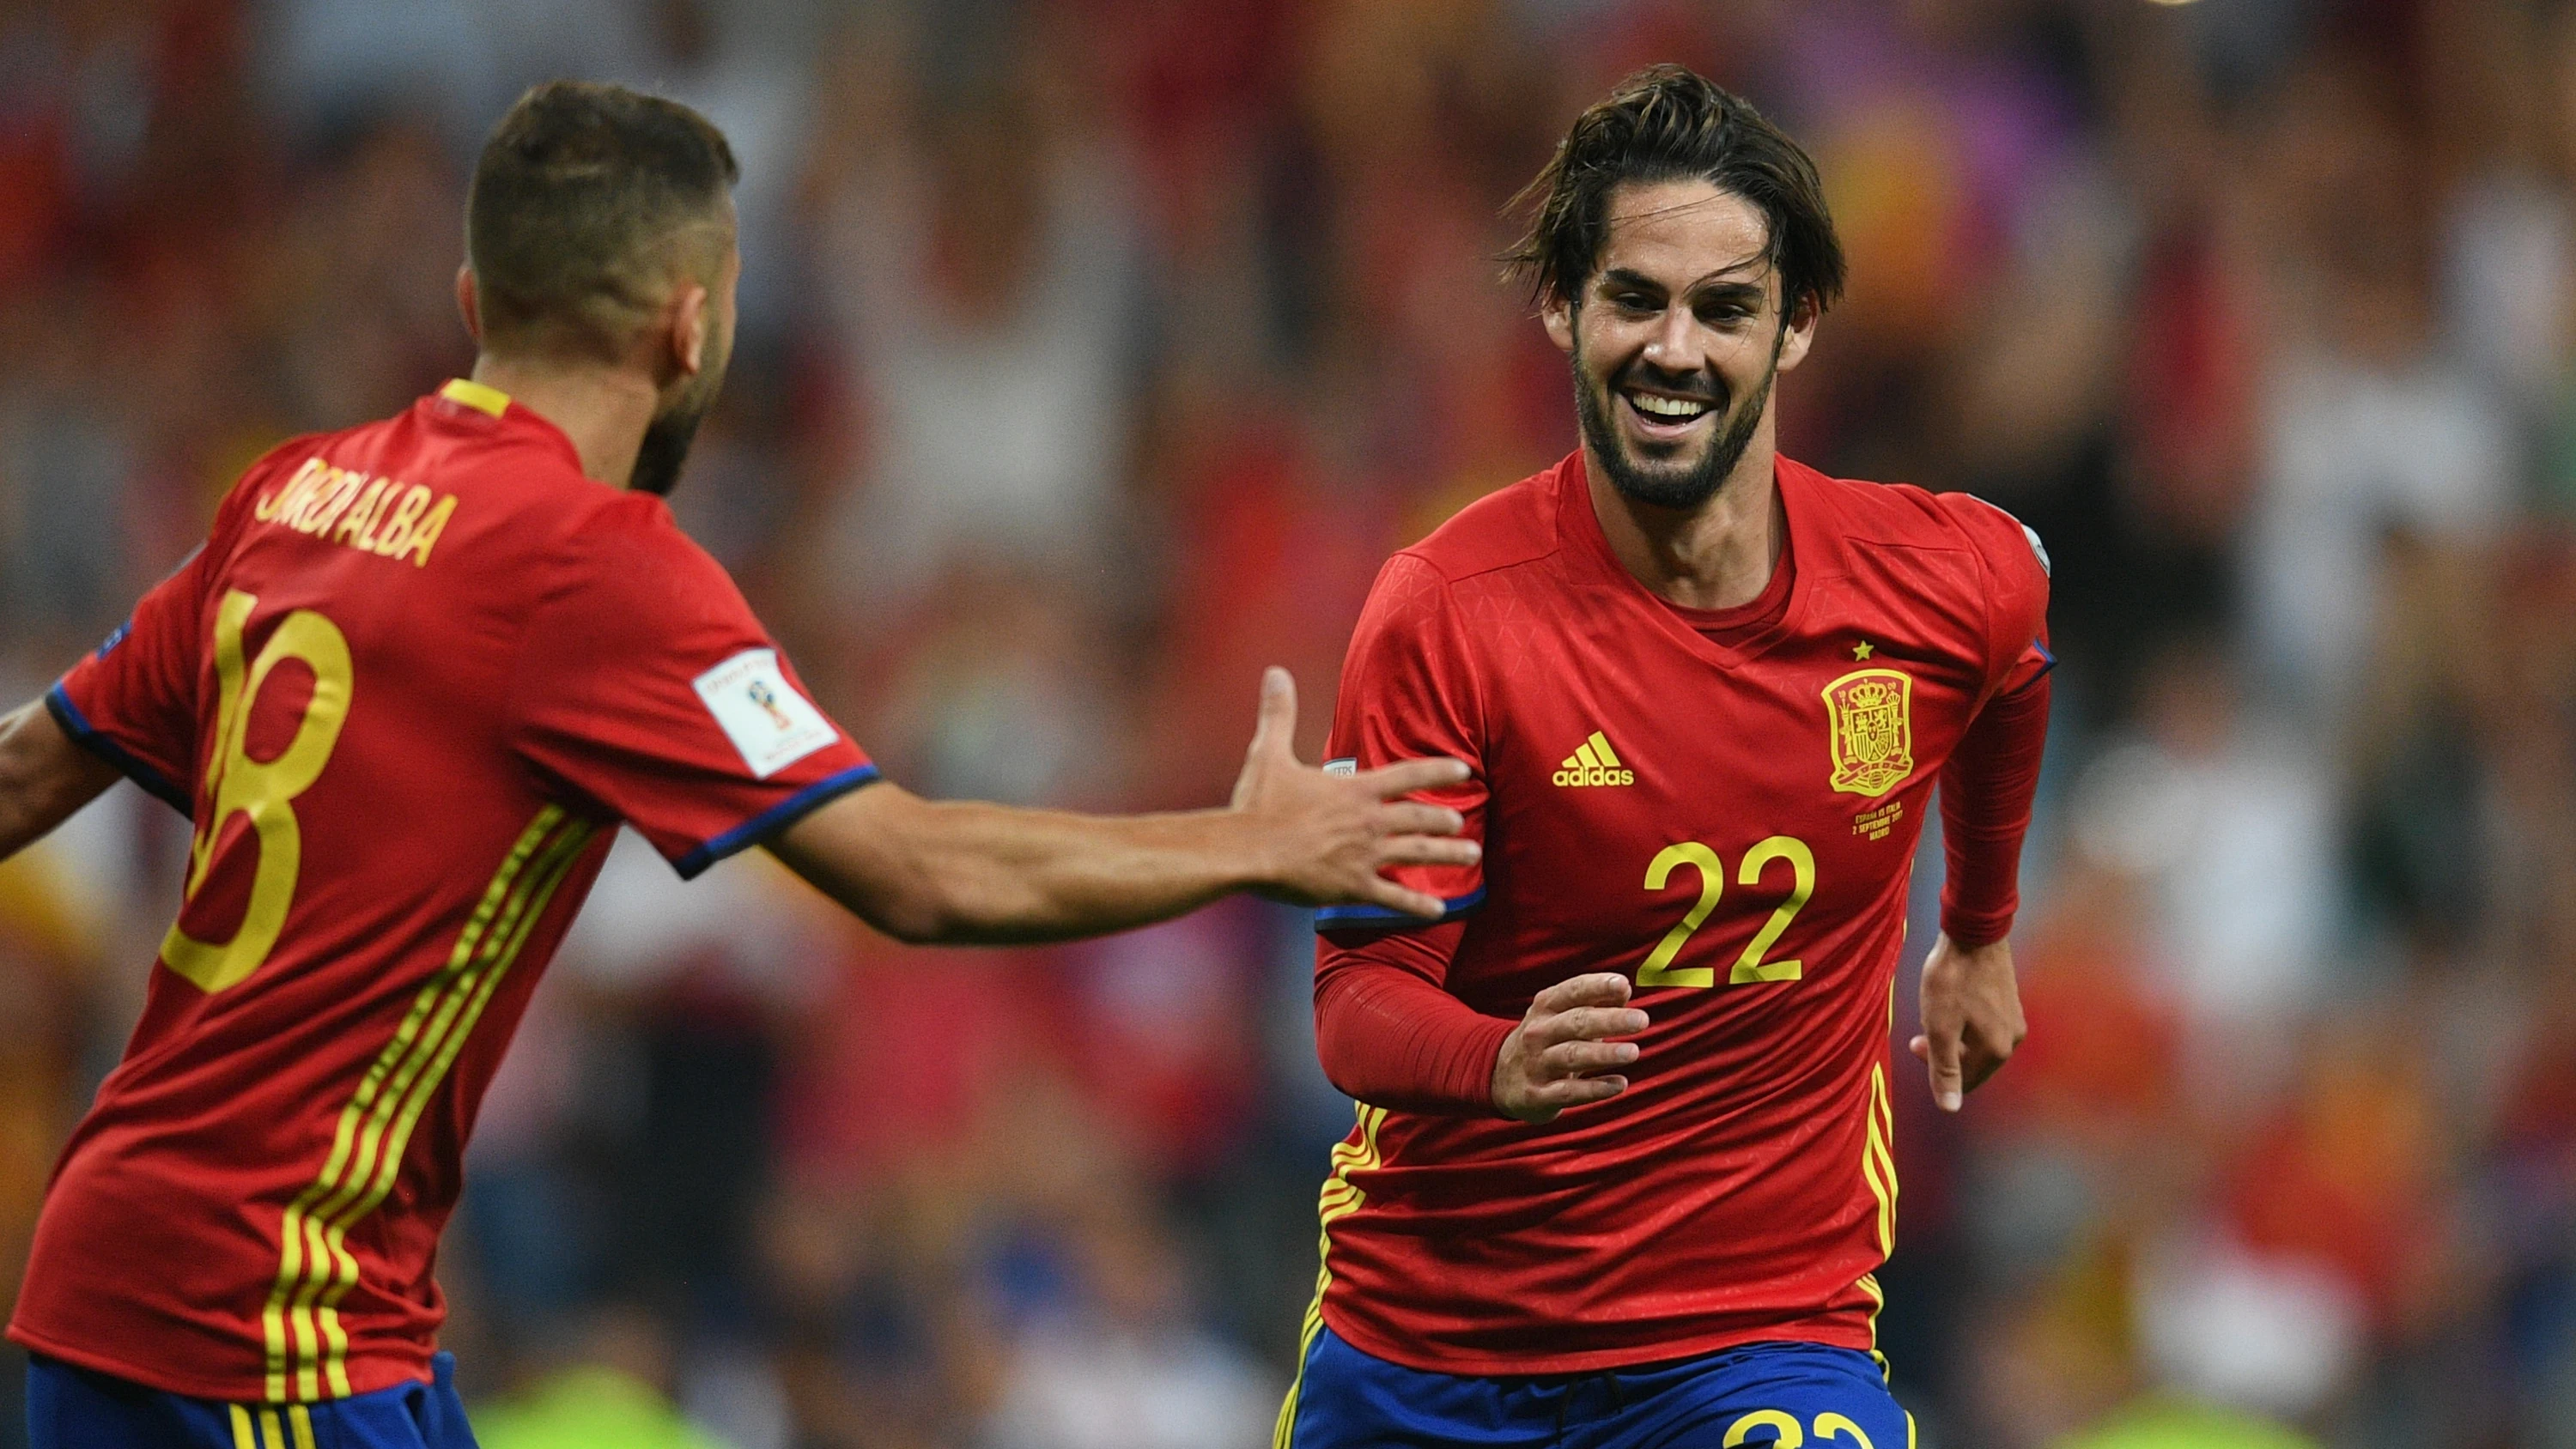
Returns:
(1678, 485)
(666, 445)
(667, 438)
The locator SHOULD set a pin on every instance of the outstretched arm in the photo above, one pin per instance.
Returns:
(44, 777)
(967, 873)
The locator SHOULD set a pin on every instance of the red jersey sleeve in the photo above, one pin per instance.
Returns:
(2015, 568)
(133, 700)
(1990, 780)
(1409, 690)
(1387, 1030)
(646, 687)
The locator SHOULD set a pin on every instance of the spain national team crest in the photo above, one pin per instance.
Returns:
(1872, 735)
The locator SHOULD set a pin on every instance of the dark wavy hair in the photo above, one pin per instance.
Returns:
(1668, 123)
(585, 200)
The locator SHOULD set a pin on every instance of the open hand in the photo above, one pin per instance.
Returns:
(1971, 1017)
(1323, 839)
(1549, 1061)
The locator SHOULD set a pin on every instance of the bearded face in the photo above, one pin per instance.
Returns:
(1677, 340)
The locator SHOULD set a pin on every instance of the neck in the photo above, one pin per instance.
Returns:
(604, 410)
(1717, 555)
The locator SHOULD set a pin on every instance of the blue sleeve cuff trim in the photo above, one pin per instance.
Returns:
(68, 715)
(772, 820)
(1382, 918)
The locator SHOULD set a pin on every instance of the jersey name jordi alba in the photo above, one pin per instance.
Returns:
(1730, 825)
(416, 677)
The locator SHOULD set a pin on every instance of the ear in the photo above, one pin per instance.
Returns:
(1798, 332)
(1557, 316)
(691, 316)
(468, 305)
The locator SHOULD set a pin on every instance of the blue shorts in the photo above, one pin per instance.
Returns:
(1792, 1395)
(78, 1408)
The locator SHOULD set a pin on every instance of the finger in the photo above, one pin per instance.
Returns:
(1384, 892)
(1598, 988)
(1404, 777)
(1921, 1046)
(1576, 1091)
(1983, 1061)
(1412, 819)
(1275, 727)
(1579, 1058)
(1588, 1023)
(1429, 850)
(1942, 1056)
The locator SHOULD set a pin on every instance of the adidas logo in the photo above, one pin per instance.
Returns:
(1595, 763)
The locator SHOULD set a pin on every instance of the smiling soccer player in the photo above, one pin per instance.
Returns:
(1622, 1171)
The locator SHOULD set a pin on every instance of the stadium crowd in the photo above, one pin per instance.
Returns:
(1094, 353)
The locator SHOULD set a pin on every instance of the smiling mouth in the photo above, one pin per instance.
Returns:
(1663, 414)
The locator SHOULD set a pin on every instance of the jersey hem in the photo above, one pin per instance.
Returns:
(229, 1392)
(772, 820)
(1470, 1365)
(58, 703)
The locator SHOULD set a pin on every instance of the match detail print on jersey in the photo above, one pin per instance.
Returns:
(764, 715)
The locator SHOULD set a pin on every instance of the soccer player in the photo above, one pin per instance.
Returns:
(1622, 1169)
(416, 676)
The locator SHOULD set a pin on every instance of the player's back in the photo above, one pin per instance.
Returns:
(398, 690)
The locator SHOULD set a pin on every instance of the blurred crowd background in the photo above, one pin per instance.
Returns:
(1096, 352)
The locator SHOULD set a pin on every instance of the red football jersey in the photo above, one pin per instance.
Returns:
(415, 677)
(1733, 825)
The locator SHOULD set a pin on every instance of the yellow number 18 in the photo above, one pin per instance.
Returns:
(263, 791)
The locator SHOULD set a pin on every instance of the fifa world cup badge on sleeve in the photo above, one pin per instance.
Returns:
(762, 713)
(1871, 734)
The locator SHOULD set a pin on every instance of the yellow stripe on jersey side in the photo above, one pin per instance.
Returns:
(375, 1127)
(1341, 1198)
(1878, 1169)
(476, 395)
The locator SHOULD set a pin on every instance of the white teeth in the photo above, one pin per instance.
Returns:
(1667, 407)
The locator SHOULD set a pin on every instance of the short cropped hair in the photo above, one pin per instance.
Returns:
(1667, 123)
(585, 200)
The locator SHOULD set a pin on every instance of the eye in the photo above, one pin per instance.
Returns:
(1635, 302)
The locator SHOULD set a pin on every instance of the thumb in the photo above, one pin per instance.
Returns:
(1276, 728)
(1940, 1051)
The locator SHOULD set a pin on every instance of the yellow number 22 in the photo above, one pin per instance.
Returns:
(262, 791)
(1749, 967)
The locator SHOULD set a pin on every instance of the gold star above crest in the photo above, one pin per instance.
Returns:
(1861, 650)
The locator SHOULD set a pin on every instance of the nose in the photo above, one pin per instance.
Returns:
(1678, 344)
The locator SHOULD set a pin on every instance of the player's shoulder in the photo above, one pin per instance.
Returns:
(1508, 527)
(1905, 515)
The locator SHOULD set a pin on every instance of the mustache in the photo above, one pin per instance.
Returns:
(1699, 387)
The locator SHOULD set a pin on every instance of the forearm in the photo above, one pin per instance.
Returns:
(968, 873)
(44, 777)
(1391, 1037)
(1986, 794)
